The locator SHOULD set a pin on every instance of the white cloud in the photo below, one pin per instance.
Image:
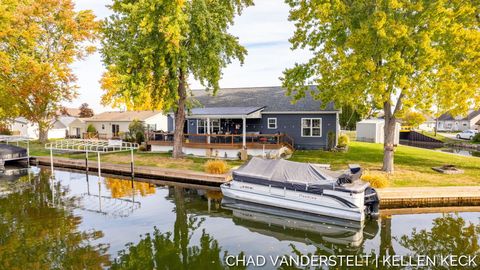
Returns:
(263, 29)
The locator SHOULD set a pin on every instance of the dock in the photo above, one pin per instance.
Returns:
(411, 197)
(166, 174)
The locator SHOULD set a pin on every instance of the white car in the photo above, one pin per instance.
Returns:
(467, 134)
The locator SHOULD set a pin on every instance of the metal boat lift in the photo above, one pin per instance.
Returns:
(92, 146)
(12, 153)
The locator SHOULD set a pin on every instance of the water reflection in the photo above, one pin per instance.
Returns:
(38, 231)
(74, 223)
(450, 234)
(125, 188)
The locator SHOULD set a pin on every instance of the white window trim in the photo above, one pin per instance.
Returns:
(311, 128)
(268, 123)
(206, 125)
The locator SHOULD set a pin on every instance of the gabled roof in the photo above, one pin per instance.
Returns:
(126, 116)
(21, 120)
(272, 98)
(66, 120)
(471, 115)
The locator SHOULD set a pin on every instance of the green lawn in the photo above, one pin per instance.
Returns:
(412, 165)
(161, 160)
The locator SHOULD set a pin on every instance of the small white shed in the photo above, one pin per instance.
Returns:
(372, 130)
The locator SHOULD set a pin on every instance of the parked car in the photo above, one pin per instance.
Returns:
(467, 134)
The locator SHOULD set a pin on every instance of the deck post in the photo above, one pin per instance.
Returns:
(208, 130)
(131, 163)
(28, 154)
(51, 161)
(244, 131)
(86, 160)
(99, 169)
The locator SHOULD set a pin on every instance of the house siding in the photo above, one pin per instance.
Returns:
(289, 124)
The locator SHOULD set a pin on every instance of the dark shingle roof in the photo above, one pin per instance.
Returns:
(272, 98)
(471, 114)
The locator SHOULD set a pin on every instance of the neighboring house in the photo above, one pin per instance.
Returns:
(428, 125)
(447, 122)
(372, 130)
(21, 126)
(113, 124)
(254, 119)
(77, 128)
(59, 129)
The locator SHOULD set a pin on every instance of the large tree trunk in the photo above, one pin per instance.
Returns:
(180, 117)
(436, 126)
(42, 133)
(389, 139)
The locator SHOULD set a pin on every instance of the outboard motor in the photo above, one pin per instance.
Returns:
(372, 202)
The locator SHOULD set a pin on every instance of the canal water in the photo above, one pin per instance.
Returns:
(75, 222)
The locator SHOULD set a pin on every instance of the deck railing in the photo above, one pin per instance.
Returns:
(225, 139)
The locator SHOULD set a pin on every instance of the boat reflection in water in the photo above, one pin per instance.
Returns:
(326, 233)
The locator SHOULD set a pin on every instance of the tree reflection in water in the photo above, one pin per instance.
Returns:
(450, 235)
(174, 251)
(39, 231)
(120, 188)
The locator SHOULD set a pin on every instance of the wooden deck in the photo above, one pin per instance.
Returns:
(224, 141)
(182, 176)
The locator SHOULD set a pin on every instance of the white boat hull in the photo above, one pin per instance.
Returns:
(332, 203)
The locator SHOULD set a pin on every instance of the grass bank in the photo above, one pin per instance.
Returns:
(413, 165)
(160, 160)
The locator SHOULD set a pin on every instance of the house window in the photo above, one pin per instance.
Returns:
(103, 126)
(311, 127)
(151, 127)
(202, 126)
(272, 123)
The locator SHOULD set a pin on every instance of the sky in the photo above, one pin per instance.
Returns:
(263, 29)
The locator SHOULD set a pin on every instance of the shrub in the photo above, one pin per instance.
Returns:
(343, 140)
(137, 131)
(476, 138)
(376, 180)
(142, 148)
(91, 129)
(216, 167)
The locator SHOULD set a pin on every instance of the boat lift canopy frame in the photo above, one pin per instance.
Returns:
(92, 146)
(17, 139)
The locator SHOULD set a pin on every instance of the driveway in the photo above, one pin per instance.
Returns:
(450, 135)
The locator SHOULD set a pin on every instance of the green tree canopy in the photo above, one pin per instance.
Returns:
(391, 54)
(151, 47)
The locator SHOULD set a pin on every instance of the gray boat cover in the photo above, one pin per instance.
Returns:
(285, 171)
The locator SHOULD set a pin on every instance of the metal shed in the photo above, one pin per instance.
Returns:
(372, 130)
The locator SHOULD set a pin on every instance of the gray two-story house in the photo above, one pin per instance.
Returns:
(256, 119)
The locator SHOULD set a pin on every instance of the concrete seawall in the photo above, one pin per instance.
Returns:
(390, 198)
(410, 197)
(174, 175)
